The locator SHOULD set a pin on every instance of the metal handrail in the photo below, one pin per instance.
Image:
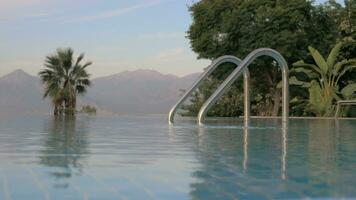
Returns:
(216, 63)
(343, 102)
(237, 72)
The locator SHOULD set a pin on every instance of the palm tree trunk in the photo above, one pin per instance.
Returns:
(74, 103)
(55, 112)
(70, 106)
(67, 106)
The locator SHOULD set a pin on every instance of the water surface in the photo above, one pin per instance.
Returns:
(143, 158)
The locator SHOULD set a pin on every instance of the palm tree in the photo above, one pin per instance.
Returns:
(64, 78)
(323, 80)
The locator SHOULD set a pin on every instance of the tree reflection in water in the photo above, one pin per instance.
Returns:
(65, 148)
(232, 160)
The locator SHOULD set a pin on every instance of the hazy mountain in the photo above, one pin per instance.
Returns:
(129, 92)
(141, 91)
(21, 92)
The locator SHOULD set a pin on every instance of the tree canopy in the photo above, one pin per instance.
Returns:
(64, 77)
(236, 27)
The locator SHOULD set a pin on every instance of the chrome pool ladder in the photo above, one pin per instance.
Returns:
(242, 67)
(343, 102)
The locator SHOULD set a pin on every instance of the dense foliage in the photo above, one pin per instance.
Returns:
(236, 27)
(64, 78)
(322, 81)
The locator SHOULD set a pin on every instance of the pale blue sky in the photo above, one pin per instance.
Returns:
(116, 35)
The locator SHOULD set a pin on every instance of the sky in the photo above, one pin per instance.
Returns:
(116, 35)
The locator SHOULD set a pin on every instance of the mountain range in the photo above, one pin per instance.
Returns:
(129, 92)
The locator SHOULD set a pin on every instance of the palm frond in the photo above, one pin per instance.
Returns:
(306, 65)
(64, 78)
(333, 55)
(319, 60)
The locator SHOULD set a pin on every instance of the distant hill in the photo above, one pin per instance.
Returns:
(129, 92)
(21, 93)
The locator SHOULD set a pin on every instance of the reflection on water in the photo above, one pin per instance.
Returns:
(144, 158)
(65, 147)
(306, 160)
(284, 153)
(235, 158)
(245, 146)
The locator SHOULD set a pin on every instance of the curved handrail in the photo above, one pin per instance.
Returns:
(237, 72)
(217, 62)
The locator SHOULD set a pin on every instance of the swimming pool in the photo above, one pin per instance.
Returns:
(144, 158)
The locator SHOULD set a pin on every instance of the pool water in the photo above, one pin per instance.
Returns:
(142, 158)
